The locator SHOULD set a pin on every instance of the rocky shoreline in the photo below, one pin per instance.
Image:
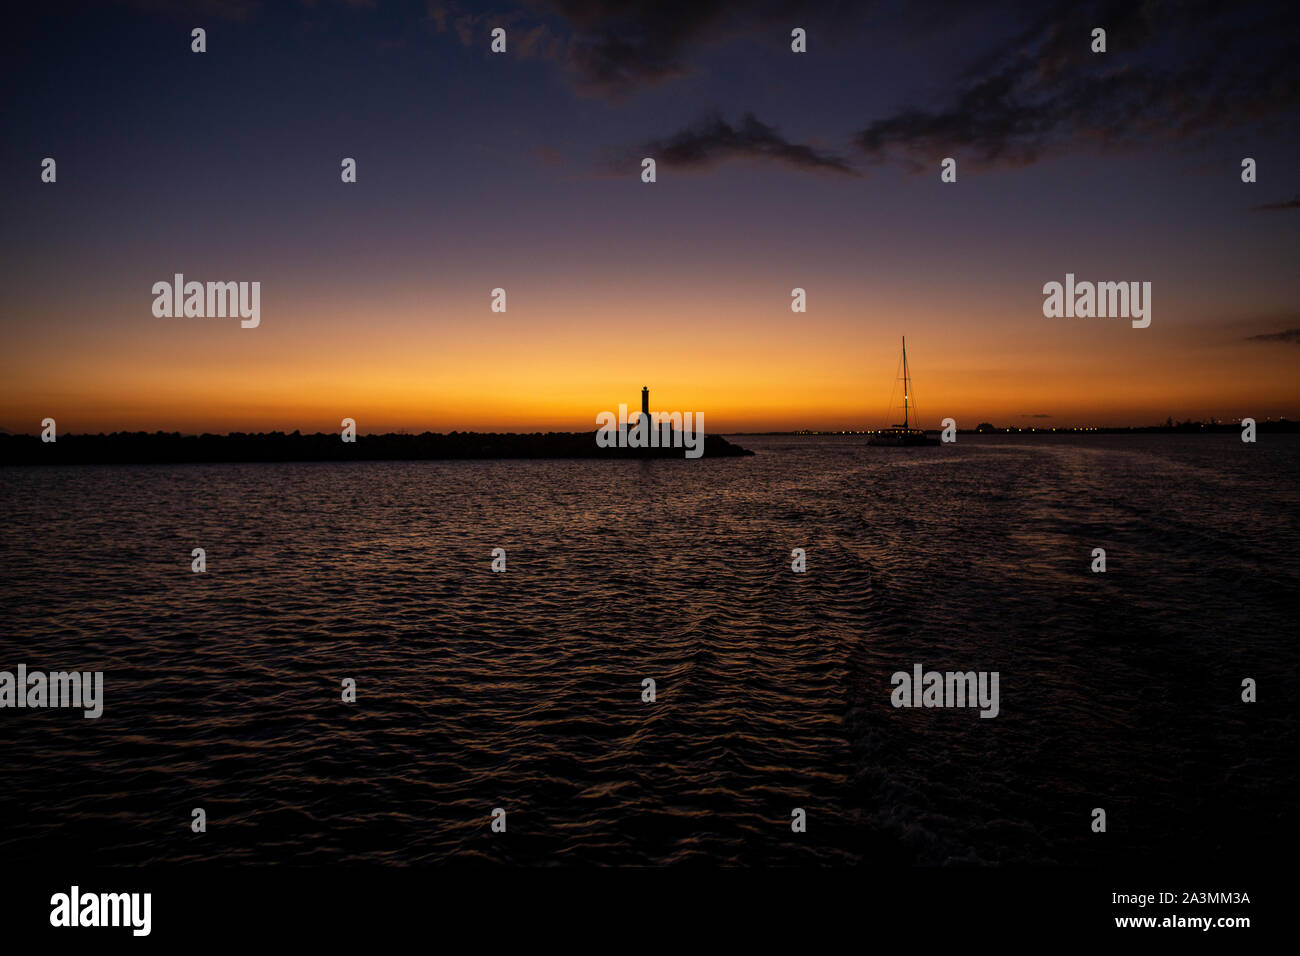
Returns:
(174, 448)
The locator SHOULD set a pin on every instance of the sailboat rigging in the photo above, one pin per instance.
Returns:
(904, 434)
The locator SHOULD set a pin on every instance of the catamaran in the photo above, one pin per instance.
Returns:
(904, 434)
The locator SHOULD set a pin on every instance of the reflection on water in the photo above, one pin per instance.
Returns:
(523, 690)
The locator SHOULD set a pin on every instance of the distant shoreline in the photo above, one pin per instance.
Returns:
(238, 447)
(1283, 427)
(145, 448)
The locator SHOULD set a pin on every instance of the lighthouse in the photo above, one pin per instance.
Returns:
(645, 406)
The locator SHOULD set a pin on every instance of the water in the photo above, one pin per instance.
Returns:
(523, 690)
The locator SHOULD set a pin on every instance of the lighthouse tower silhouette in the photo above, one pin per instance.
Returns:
(645, 407)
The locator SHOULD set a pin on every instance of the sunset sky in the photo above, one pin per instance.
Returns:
(522, 171)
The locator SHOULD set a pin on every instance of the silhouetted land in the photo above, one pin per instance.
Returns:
(1181, 428)
(174, 448)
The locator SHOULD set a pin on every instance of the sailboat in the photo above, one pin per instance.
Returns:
(904, 434)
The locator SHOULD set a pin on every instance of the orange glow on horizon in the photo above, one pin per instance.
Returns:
(745, 366)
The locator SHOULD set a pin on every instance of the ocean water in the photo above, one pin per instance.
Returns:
(478, 690)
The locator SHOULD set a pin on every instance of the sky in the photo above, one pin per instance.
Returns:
(522, 171)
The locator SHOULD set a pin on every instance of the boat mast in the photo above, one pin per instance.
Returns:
(905, 388)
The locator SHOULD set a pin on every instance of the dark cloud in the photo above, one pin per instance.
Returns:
(614, 47)
(620, 45)
(713, 140)
(1173, 74)
(1038, 415)
(1275, 206)
(526, 37)
(1289, 335)
(1025, 84)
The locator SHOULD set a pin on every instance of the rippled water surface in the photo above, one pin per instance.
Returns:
(523, 690)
